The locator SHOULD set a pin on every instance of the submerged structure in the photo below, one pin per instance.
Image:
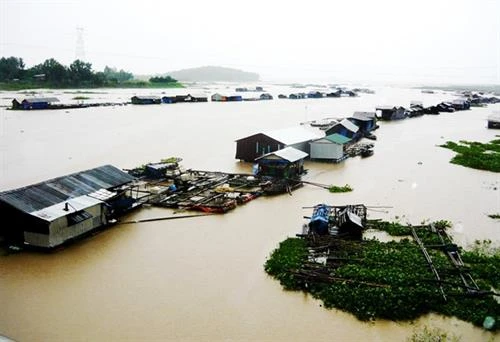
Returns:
(398, 280)
(339, 221)
(49, 213)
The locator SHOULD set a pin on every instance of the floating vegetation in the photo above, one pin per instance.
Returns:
(494, 216)
(81, 98)
(392, 280)
(84, 92)
(335, 188)
(427, 334)
(476, 155)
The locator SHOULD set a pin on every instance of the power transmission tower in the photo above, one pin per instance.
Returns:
(80, 47)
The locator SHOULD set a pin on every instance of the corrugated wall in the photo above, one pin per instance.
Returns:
(326, 151)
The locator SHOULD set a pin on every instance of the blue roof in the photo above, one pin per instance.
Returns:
(45, 194)
(337, 138)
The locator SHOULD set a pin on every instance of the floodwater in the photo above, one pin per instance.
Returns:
(202, 279)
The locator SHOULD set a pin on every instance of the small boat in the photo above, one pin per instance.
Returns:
(366, 153)
(320, 222)
(370, 136)
(280, 186)
(215, 208)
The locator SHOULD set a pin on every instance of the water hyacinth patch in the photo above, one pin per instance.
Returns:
(388, 280)
(476, 155)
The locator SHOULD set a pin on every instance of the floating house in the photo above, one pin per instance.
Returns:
(392, 113)
(285, 163)
(336, 93)
(494, 120)
(257, 145)
(234, 98)
(142, 100)
(297, 96)
(348, 93)
(461, 104)
(218, 98)
(446, 107)
(331, 148)
(34, 103)
(52, 212)
(223, 98)
(416, 109)
(168, 99)
(345, 128)
(432, 110)
(244, 89)
(263, 96)
(366, 121)
(314, 95)
(191, 98)
(282, 96)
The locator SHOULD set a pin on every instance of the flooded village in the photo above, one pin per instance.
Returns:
(60, 182)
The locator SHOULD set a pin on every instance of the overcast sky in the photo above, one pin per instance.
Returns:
(429, 41)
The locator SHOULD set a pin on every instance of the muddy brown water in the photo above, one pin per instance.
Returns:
(202, 279)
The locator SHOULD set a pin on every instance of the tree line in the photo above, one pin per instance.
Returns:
(51, 73)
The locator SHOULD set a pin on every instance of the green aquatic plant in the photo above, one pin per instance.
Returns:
(336, 189)
(388, 280)
(494, 216)
(427, 334)
(476, 155)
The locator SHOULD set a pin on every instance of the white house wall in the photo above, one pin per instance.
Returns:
(60, 231)
(326, 151)
(37, 239)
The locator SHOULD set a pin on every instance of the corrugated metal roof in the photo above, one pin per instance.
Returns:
(41, 99)
(45, 194)
(292, 135)
(58, 210)
(349, 125)
(337, 138)
(288, 153)
(365, 116)
(147, 97)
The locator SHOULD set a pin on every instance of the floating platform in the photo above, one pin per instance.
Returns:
(169, 185)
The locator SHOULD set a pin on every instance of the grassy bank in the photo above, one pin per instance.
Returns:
(388, 280)
(476, 155)
(22, 85)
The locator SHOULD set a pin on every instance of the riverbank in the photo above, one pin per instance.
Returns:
(23, 85)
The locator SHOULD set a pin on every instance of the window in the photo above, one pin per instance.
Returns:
(78, 217)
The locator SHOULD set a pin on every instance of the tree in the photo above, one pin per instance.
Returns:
(11, 68)
(159, 79)
(115, 76)
(55, 73)
(81, 72)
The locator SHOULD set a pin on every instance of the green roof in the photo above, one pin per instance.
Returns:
(337, 138)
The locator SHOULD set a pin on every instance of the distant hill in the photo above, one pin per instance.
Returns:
(213, 74)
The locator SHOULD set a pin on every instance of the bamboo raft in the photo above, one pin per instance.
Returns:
(325, 254)
(168, 185)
